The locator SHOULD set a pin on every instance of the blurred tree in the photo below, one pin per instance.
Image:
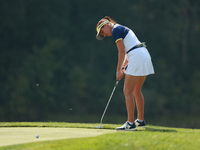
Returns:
(50, 61)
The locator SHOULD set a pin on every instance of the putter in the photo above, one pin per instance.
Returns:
(100, 127)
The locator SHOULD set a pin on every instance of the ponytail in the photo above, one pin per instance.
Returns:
(109, 19)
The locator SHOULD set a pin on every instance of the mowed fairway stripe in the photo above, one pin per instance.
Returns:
(20, 135)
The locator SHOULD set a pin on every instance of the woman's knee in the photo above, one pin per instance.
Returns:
(137, 92)
(127, 92)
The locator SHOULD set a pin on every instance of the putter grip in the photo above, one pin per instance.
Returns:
(116, 83)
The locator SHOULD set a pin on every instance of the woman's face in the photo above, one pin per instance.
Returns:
(106, 30)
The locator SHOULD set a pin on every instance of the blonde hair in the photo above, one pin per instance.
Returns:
(105, 19)
(109, 19)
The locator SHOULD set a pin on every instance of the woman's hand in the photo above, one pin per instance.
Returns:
(120, 74)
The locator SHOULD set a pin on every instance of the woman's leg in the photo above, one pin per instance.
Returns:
(129, 86)
(139, 97)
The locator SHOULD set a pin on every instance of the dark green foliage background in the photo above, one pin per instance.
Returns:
(51, 43)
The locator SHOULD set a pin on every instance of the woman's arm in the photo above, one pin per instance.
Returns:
(125, 64)
(121, 59)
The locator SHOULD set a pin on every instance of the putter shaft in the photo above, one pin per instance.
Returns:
(108, 102)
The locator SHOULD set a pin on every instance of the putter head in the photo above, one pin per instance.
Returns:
(98, 127)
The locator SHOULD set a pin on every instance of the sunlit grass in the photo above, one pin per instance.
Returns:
(153, 137)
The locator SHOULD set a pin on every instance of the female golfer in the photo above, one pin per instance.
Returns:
(133, 55)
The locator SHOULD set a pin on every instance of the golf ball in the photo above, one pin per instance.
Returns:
(37, 135)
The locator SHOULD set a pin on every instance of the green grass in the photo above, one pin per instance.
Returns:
(153, 137)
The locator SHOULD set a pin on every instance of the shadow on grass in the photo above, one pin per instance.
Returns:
(155, 129)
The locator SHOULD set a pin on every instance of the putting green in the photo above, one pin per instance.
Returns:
(21, 135)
